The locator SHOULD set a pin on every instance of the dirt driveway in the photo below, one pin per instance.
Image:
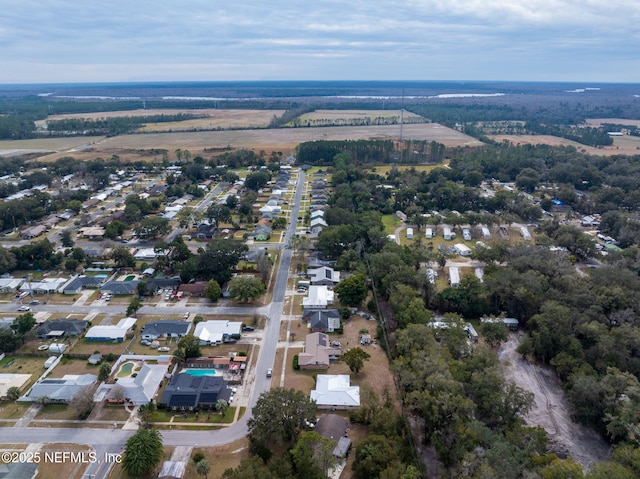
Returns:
(551, 409)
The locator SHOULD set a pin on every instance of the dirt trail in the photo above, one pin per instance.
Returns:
(551, 409)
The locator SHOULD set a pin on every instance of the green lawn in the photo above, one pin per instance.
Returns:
(204, 417)
(390, 222)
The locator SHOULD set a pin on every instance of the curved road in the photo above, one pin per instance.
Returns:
(112, 441)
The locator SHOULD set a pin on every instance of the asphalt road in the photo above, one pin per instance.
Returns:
(106, 440)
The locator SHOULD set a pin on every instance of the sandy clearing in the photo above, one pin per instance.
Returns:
(551, 409)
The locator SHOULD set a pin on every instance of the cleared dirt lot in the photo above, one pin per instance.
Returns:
(551, 410)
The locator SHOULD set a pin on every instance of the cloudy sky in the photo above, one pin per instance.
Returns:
(162, 40)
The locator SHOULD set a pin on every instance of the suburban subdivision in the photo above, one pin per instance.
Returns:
(321, 286)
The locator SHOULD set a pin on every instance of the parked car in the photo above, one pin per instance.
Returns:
(247, 329)
(164, 349)
(34, 302)
(269, 372)
(186, 315)
(24, 308)
(144, 342)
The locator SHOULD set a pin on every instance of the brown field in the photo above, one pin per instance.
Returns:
(616, 121)
(350, 114)
(221, 458)
(147, 147)
(84, 346)
(623, 145)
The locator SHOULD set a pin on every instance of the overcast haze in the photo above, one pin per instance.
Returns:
(156, 40)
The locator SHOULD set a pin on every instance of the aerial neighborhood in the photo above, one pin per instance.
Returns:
(396, 305)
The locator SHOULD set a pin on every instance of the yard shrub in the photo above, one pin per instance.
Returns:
(296, 366)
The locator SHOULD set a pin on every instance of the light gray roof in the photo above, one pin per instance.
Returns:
(62, 389)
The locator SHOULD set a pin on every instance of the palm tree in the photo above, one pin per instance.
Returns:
(203, 468)
(221, 406)
(13, 393)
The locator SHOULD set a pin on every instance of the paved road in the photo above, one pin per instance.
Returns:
(112, 441)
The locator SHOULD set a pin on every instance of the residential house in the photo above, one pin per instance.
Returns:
(146, 254)
(10, 285)
(8, 381)
(216, 331)
(120, 287)
(187, 392)
(44, 286)
(165, 329)
(61, 389)
(323, 276)
(95, 359)
(112, 332)
(334, 391)
(57, 328)
(162, 282)
(76, 285)
(92, 232)
(33, 232)
(193, 289)
(332, 426)
(261, 233)
(318, 352)
(323, 320)
(143, 388)
(319, 297)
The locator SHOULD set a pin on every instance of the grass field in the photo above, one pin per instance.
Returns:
(383, 170)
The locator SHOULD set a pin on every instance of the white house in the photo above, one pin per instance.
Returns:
(318, 222)
(486, 233)
(409, 233)
(214, 332)
(429, 233)
(111, 332)
(324, 275)
(44, 286)
(319, 297)
(334, 391)
(479, 272)
(145, 254)
(466, 234)
(142, 388)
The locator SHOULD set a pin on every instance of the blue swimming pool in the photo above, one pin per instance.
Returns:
(200, 372)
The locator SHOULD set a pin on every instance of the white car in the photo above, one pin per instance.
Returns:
(164, 349)
(24, 308)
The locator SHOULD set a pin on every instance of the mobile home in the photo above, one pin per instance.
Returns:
(454, 276)
(447, 233)
(409, 233)
(466, 234)
(429, 233)
(525, 233)
(486, 234)
(462, 249)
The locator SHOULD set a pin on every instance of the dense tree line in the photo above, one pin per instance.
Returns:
(581, 134)
(362, 151)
